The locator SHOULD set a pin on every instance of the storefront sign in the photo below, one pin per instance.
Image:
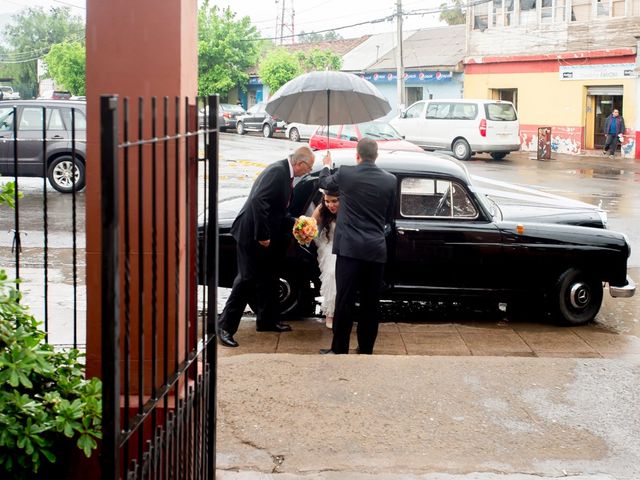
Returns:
(410, 77)
(597, 72)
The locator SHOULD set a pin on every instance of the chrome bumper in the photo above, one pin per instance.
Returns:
(623, 292)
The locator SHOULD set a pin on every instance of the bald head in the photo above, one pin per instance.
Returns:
(302, 161)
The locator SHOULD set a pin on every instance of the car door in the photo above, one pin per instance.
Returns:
(410, 123)
(6, 140)
(259, 115)
(443, 241)
(437, 127)
(249, 117)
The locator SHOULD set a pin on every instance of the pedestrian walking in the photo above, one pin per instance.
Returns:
(614, 131)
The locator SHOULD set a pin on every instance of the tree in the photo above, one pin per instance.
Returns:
(227, 49)
(318, 59)
(66, 65)
(452, 14)
(29, 37)
(278, 67)
(313, 37)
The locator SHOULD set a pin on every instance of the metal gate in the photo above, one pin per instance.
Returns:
(158, 337)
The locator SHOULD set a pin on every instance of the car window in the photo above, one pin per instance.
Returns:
(260, 108)
(415, 110)
(30, 119)
(348, 131)
(438, 110)
(6, 119)
(500, 112)
(435, 198)
(253, 109)
(379, 131)
(80, 119)
(464, 111)
(55, 120)
(333, 131)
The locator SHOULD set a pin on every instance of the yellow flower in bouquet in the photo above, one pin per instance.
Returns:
(305, 230)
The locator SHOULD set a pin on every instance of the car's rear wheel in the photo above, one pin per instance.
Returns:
(61, 174)
(577, 297)
(294, 295)
(240, 128)
(267, 131)
(294, 135)
(498, 155)
(461, 149)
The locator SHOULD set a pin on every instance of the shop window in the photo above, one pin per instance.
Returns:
(413, 94)
(506, 94)
(546, 11)
(581, 10)
(480, 17)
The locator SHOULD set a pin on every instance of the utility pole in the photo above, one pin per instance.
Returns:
(282, 22)
(399, 60)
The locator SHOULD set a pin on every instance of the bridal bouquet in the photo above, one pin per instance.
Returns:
(305, 230)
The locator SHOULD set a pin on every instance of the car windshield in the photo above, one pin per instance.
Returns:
(379, 131)
(501, 112)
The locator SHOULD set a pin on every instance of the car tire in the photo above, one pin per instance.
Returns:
(295, 297)
(267, 131)
(60, 171)
(577, 297)
(222, 129)
(294, 135)
(240, 128)
(498, 155)
(461, 149)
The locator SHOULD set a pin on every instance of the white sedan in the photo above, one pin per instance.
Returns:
(297, 131)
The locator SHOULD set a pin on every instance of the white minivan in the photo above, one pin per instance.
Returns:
(464, 126)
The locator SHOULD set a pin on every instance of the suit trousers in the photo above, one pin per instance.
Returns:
(611, 145)
(255, 284)
(353, 276)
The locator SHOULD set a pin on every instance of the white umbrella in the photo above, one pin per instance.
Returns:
(328, 97)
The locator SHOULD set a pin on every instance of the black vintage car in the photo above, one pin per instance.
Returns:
(455, 238)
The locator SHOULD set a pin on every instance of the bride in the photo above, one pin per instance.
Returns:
(326, 214)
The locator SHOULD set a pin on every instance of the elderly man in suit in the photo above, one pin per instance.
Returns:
(367, 202)
(262, 230)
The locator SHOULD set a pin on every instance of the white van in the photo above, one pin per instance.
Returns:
(464, 126)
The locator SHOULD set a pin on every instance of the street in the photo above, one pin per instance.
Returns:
(612, 184)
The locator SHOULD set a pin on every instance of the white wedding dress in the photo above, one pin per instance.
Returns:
(327, 264)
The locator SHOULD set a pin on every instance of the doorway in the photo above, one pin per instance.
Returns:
(603, 100)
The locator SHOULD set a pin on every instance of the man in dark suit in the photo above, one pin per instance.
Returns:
(367, 202)
(262, 230)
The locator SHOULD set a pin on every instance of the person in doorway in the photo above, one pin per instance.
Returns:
(261, 231)
(614, 130)
(367, 198)
(326, 214)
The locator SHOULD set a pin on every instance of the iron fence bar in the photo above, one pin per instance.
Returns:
(45, 222)
(177, 166)
(110, 307)
(74, 228)
(187, 277)
(127, 281)
(16, 196)
(141, 289)
(154, 261)
(165, 270)
(211, 249)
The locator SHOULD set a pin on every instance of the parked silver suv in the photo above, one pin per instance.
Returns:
(37, 158)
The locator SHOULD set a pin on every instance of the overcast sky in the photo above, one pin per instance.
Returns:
(310, 15)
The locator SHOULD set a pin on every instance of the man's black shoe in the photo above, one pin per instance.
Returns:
(226, 339)
(326, 351)
(278, 327)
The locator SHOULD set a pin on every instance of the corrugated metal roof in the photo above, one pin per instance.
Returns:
(430, 47)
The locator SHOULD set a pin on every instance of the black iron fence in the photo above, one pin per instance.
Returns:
(42, 148)
(159, 187)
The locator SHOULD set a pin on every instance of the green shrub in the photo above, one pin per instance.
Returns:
(45, 402)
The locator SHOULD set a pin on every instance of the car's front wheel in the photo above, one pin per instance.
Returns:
(577, 298)
(294, 135)
(267, 131)
(61, 174)
(498, 155)
(461, 149)
(240, 128)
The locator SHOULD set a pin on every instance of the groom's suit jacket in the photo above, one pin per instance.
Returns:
(367, 203)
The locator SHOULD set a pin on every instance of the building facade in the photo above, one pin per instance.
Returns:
(564, 63)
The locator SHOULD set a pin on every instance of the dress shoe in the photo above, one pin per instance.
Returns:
(327, 351)
(226, 339)
(278, 327)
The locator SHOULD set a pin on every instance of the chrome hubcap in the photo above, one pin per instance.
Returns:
(579, 295)
(64, 174)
